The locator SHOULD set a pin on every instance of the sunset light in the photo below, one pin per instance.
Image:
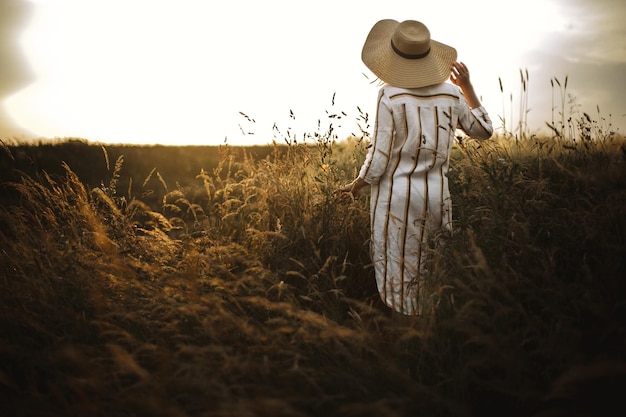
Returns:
(181, 72)
(217, 209)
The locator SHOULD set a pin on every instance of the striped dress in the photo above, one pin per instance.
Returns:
(406, 167)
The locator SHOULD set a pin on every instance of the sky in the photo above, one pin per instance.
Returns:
(187, 72)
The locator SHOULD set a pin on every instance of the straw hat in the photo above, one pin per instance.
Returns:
(403, 55)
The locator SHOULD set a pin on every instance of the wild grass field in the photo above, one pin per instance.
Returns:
(227, 281)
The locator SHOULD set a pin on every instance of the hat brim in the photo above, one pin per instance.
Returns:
(379, 56)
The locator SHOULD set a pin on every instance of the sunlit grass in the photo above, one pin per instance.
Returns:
(244, 288)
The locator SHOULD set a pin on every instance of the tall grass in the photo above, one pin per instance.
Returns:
(246, 289)
(510, 128)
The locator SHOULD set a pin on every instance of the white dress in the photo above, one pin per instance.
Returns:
(406, 167)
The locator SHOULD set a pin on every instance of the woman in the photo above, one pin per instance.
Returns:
(406, 166)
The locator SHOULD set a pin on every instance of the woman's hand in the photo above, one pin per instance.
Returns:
(460, 76)
(354, 188)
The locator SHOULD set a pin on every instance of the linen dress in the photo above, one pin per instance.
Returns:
(406, 167)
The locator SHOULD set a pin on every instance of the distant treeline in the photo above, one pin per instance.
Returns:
(94, 163)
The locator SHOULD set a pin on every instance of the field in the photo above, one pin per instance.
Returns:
(225, 281)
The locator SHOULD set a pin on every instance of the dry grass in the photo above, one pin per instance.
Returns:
(245, 288)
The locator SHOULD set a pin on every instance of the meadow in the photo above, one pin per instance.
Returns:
(231, 281)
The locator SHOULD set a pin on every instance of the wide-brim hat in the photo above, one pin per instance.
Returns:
(403, 55)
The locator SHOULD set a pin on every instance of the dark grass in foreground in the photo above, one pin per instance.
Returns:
(245, 289)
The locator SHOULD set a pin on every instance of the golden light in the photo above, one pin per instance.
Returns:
(180, 72)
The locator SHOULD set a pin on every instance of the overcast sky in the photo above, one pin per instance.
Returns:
(179, 72)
